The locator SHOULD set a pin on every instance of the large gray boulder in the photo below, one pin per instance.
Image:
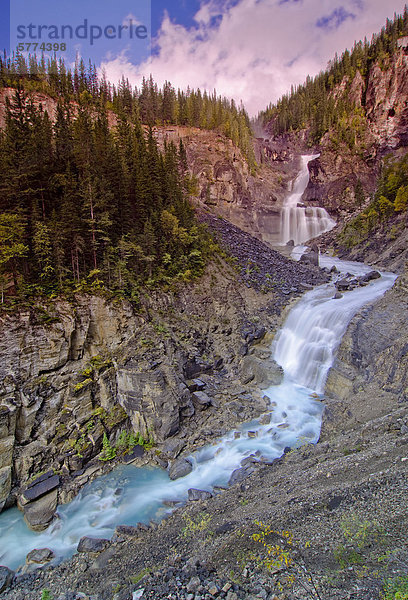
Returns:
(40, 556)
(180, 468)
(6, 578)
(370, 276)
(262, 373)
(310, 258)
(343, 285)
(93, 545)
(39, 514)
(195, 495)
(240, 474)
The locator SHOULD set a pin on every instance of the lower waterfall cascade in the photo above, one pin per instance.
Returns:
(304, 347)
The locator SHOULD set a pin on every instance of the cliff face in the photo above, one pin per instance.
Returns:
(383, 128)
(224, 184)
(369, 378)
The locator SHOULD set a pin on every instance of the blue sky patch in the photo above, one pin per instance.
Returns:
(335, 19)
(87, 28)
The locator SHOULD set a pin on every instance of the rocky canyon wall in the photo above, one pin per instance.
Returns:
(72, 372)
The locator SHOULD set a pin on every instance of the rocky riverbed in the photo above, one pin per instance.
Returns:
(353, 481)
(260, 266)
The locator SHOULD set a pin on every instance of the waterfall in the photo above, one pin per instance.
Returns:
(304, 347)
(302, 223)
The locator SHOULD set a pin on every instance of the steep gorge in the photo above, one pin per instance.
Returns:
(150, 355)
(74, 371)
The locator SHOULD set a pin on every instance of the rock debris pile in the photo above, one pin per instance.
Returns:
(261, 267)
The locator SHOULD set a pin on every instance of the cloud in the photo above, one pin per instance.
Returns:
(254, 50)
(131, 17)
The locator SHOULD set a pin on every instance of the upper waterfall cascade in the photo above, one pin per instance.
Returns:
(302, 223)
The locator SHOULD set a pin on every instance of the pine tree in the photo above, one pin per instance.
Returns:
(12, 246)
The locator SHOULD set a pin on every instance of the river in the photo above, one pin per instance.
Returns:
(304, 347)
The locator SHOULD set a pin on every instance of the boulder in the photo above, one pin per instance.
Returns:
(40, 556)
(195, 495)
(93, 545)
(240, 474)
(180, 468)
(250, 460)
(265, 419)
(310, 258)
(370, 276)
(201, 400)
(343, 285)
(39, 488)
(337, 295)
(262, 373)
(39, 514)
(6, 578)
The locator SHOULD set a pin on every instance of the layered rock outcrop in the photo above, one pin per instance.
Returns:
(369, 377)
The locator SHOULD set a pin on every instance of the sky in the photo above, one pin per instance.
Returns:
(249, 50)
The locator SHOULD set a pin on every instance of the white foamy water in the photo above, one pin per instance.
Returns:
(302, 223)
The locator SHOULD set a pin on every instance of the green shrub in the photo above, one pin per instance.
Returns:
(396, 588)
(108, 451)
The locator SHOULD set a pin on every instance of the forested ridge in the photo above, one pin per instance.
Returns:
(153, 105)
(316, 106)
(86, 206)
